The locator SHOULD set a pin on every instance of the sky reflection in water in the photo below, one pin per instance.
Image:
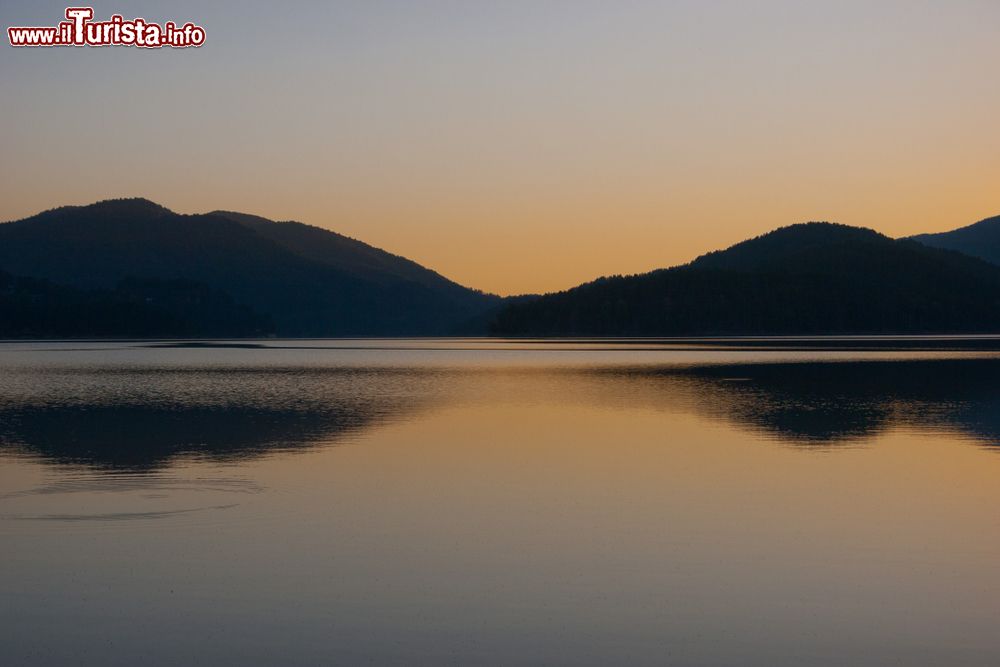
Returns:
(489, 502)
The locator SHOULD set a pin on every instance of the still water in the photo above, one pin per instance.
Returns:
(765, 502)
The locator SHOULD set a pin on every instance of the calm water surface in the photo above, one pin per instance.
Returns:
(766, 502)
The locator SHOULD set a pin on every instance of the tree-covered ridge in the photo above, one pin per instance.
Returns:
(815, 278)
(981, 240)
(306, 280)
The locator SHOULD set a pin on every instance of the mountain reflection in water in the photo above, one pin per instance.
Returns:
(834, 403)
(143, 418)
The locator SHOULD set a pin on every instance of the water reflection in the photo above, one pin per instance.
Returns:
(234, 506)
(836, 403)
(142, 419)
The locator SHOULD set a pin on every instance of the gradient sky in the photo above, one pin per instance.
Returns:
(522, 145)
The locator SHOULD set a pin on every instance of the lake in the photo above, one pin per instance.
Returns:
(433, 502)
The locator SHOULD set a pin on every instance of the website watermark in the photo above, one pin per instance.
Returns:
(79, 29)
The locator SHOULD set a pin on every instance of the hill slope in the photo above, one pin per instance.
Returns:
(342, 252)
(981, 240)
(815, 278)
(308, 281)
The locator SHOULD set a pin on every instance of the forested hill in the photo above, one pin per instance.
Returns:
(981, 239)
(303, 280)
(132, 268)
(813, 278)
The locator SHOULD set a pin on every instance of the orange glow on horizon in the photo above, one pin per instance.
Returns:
(516, 151)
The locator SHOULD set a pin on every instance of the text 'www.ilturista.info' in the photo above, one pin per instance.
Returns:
(80, 30)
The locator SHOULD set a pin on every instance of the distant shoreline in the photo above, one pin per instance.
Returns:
(849, 342)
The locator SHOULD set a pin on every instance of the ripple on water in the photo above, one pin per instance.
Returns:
(88, 496)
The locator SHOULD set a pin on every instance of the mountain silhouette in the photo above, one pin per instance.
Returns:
(304, 280)
(789, 245)
(342, 252)
(812, 278)
(133, 268)
(981, 240)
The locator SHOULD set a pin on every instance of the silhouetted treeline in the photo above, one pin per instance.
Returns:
(133, 268)
(981, 240)
(816, 278)
(308, 281)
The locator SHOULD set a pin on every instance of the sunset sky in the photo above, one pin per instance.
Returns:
(522, 146)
